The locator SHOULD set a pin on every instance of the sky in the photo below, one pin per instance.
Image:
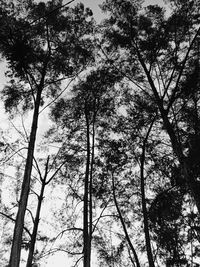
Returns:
(60, 259)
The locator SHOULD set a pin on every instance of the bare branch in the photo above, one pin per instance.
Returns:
(13, 220)
(76, 263)
(32, 217)
(25, 132)
(68, 229)
(100, 216)
(52, 251)
(16, 152)
(54, 10)
(38, 168)
(17, 130)
(67, 86)
(58, 169)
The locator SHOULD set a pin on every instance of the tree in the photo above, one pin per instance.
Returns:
(83, 115)
(37, 51)
(158, 50)
(126, 133)
(154, 54)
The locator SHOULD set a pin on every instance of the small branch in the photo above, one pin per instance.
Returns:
(17, 130)
(34, 192)
(107, 215)
(75, 193)
(48, 41)
(25, 132)
(29, 81)
(16, 152)
(54, 10)
(124, 74)
(68, 229)
(58, 169)
(100, 216)
(46, 171)
(67, 86)
(52, 251)
(13, 220)
(32, 217)
(131, 258)
(38, 168)
(76, 263)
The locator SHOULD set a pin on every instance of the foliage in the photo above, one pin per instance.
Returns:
(143, 68)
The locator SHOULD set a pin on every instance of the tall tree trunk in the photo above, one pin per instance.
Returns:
(86, 241)
(19, 223)
(37, 218)
(91, 188)
(144, 208)
(123, 224)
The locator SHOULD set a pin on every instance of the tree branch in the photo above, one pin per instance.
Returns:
(13, 220)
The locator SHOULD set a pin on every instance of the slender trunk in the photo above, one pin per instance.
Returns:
(144, 208)
(19, 224)
(90, 189)
(124, 226)
(131, 258)
(37, 219)
(86, 257)
(35, 227)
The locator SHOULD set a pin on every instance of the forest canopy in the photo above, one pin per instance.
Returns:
(100, 156)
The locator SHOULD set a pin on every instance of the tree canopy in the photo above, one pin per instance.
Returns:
(114, 180)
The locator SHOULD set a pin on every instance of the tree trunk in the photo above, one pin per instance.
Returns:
(123, 225)
(19, 224)
(86, 241)
(144, 208)
(35, 228)
(91, 188)
(37, 219)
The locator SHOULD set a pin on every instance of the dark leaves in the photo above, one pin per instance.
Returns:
(15, 94)
(166, 207)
